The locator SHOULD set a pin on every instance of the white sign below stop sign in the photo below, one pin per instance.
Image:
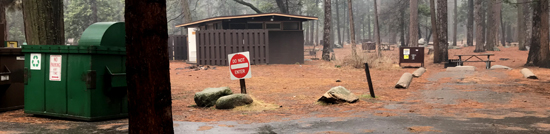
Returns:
(239, 65)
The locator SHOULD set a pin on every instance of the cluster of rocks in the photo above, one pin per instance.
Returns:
(222, 98)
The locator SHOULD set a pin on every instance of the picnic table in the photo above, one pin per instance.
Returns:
(476, 59)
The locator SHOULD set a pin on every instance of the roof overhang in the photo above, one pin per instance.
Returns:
(247, 16)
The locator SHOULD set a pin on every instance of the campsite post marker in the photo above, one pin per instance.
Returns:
(239, 68)
(371, 89)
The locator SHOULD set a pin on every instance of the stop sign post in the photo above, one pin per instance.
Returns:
(239, 68)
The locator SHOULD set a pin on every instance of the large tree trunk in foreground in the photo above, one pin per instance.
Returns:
(326, 32)
(442, 29)
(3, 23)
(479, 26)
(44, 22)
(377, 29)
(470, 24)
(352, 30)
(544, 54)
(147, 67)
(534, 49)
(413, 23)
(437, 58)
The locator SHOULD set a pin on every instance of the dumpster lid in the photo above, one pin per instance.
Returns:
(73, 49)
(104, 34)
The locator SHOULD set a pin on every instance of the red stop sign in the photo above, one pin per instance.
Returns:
(239, 66)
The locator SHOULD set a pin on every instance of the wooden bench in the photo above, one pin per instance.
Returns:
(476, 59)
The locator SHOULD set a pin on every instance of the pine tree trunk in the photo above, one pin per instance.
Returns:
(413, 23)
(478, 15)
(534, 48)
(316, 40)
(493, 24)
(442, 29)
(437, 57)
(484, 20)
(311, 29)
(186, 15)
(346, 36)
(402, 27)
(521, 25)
(339, 33)
(544, 46)
(147, 68)
(44, 22)
(503, 33)
(454, 23)
(369, 30)
(352, 29)
(377, 29)
(3, 24)
(93, 6)
(470, 24)
(326, 31)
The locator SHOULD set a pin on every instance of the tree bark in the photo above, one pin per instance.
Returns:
(316, 40)
(44, 22)
(3, 23)
(281, 6)
(253, 7)
(503, 33)
(352, 30)
(544, 54)
(377, 29)
(442, 29)
(454, 23)
(484, 20)
(93, 5)
(479, 26)
(494, 25)
(521, 25)
(326, 32)
(311, 29)
(437, 57)
(339, 34)
(470, 24)
(413, 23)
(147, 65)
(534, 49)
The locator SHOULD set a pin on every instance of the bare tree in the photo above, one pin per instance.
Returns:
(442, 29)
(437, 58)
(479, 26)
(544, 54)
(252, 6)
(377, 29)
(352, 30)
(186, 14)
(147, 65)
(470, 24)
(326, 32)
(413, 23)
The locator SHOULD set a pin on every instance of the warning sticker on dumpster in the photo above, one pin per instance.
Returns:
(55, 67)
(406, 57)
(35, 61)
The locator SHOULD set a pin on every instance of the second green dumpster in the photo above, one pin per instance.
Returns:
(84, 82)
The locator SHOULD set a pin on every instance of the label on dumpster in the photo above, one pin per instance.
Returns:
(406, 51)
(55, 67)
(406, 57)
(36, 61)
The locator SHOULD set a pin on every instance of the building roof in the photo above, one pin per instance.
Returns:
(247, 16)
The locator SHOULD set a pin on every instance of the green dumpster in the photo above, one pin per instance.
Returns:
(11, 78)
(84, 82)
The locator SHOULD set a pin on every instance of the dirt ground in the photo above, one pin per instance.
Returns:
(288, 92)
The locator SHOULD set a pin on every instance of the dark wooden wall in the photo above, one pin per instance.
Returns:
(213, 46)
(286, 47)
(177, 47)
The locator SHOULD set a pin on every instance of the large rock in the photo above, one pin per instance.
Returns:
(461, 68)
(500, 67)
(232, 101)
(208, 96)
(337, 95)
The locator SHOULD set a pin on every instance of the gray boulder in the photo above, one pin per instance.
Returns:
(337, 95)
(500, 67)
(208, 96)
(232, 101)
